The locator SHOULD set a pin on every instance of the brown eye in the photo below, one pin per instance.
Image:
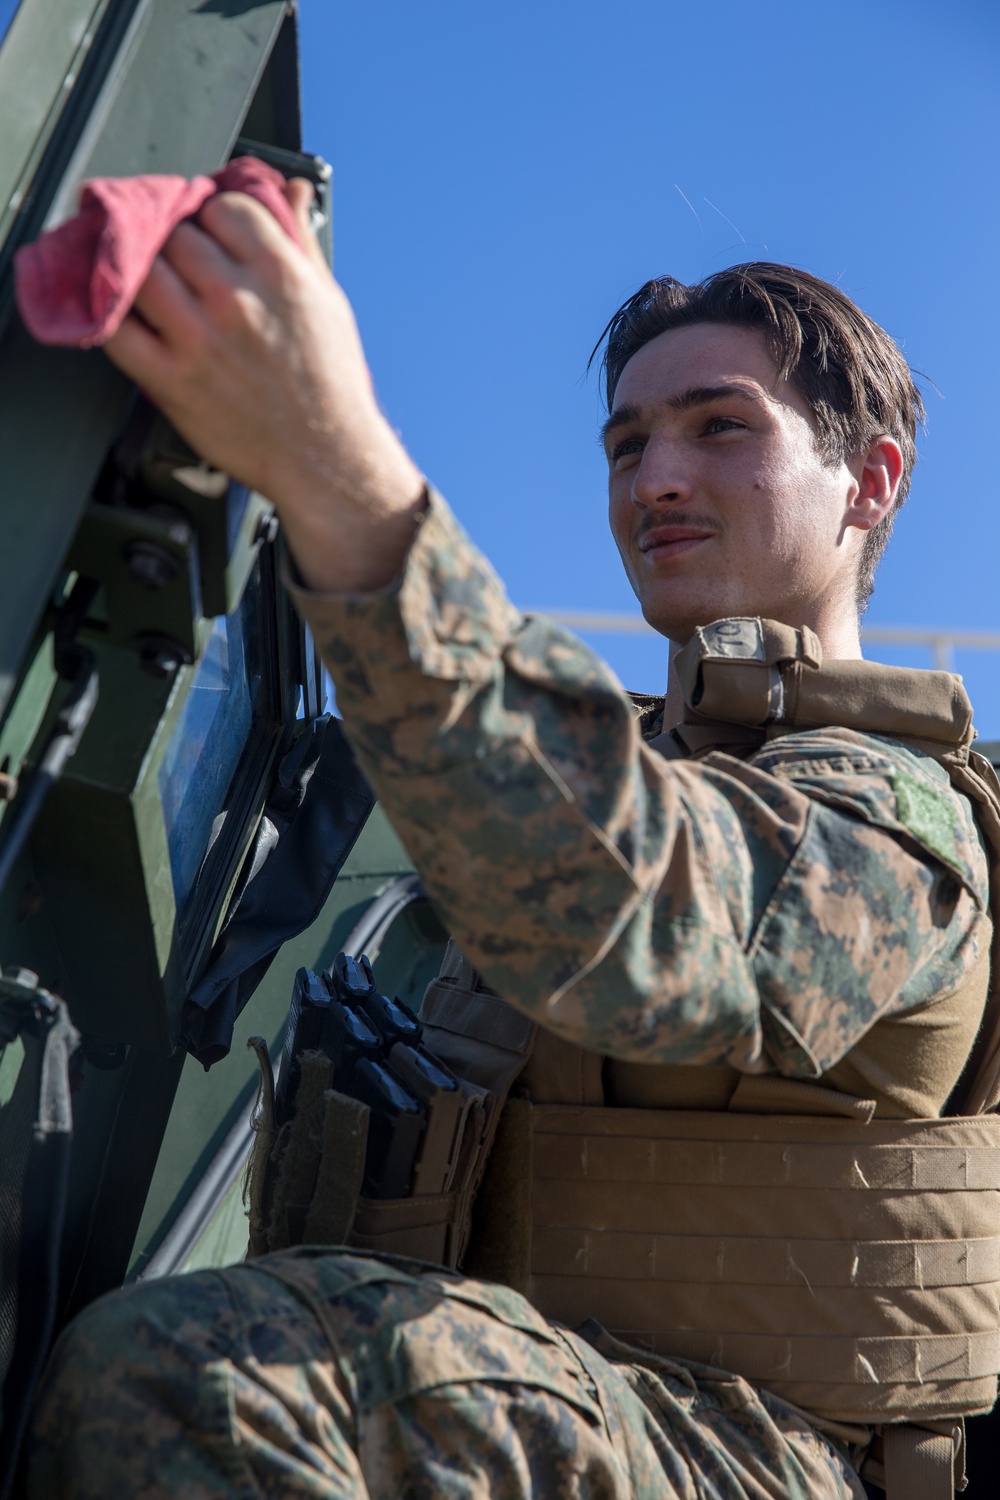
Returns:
(625, 448)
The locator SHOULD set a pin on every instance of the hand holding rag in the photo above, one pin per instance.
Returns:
(76, 284)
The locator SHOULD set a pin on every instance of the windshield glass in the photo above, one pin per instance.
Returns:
(207, 743)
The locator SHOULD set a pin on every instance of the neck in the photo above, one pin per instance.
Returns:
(839, 636)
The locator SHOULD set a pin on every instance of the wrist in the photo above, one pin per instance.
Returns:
(350, 505)
(355, 540)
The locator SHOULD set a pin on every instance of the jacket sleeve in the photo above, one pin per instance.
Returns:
(660, 911)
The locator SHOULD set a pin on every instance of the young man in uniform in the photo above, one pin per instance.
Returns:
(744, 925)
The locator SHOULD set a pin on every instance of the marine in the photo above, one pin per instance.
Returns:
(758, 907)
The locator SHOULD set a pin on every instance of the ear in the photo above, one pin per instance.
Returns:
(877, 474)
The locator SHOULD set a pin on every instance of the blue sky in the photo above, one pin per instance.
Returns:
(505, 174)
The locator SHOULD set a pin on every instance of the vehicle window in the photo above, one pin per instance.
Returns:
(208, 742)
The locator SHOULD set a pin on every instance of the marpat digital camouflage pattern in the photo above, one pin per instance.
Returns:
(761, 912)
(336, 1375)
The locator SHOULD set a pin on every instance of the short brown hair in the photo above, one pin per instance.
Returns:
(849, 371)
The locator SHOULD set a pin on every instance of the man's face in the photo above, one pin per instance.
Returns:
(719, 500)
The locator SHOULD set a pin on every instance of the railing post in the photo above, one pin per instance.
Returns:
(942, 653)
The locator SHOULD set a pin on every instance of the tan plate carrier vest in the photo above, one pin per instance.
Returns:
(849, 1265)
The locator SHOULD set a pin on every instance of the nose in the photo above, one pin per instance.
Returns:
(661, 477)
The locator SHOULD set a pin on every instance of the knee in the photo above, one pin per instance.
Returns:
(118, 1382)
(139, 1332)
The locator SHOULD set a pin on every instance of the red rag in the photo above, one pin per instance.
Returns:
(75, 284)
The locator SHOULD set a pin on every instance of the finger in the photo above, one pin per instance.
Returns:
(140, 352)
(168, 305)
(301, 195)
(242, 226)
(199, 260)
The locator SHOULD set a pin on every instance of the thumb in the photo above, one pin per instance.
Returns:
(299, 194)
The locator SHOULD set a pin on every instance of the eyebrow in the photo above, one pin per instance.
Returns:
(695, 395)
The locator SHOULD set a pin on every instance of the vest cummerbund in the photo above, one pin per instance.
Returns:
(851, 1269)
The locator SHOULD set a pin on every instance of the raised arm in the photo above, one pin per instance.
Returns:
(761, 913)
(650, 910)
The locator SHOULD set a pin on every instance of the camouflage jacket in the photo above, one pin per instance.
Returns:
(762, 912)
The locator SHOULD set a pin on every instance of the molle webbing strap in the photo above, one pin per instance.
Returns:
(340, 1172)
(851, 1268)
(295, 1182)
(779, 1163)
(487, 1044)
(921, 1360)
(702, 1259)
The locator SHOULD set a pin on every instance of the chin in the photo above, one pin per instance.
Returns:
(679, 622)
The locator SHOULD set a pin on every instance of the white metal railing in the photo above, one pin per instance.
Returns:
(941, 643)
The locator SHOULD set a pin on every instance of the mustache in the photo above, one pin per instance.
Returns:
(677, 521)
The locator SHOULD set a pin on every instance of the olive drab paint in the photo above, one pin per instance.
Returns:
(142, 587)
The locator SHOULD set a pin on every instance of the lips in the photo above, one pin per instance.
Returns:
(670, 541)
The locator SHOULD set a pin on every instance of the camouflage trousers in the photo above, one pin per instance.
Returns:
(333, 1374)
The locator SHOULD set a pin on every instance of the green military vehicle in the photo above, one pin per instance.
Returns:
(182, 825)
